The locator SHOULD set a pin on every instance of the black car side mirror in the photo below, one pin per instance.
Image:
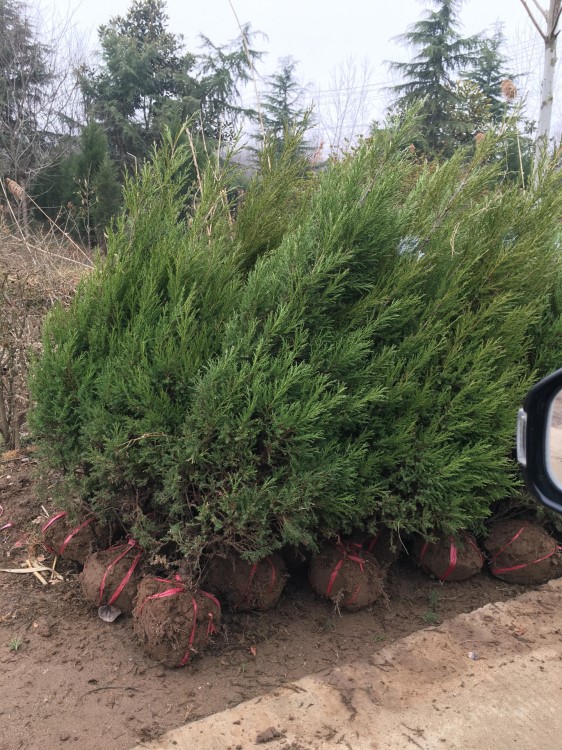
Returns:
(539, 441)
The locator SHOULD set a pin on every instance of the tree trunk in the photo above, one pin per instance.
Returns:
(547, 86)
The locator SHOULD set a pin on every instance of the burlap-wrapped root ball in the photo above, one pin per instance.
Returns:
(172, 622)
(348, 576)
(111, 577)
(449, 558)
(73, 540)
(522, 552)
(246, 586)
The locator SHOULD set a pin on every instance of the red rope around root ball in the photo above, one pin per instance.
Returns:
(500, 571)
(251, 575)
(130, 546)
(453, 556)
(346, 555)
(175, 591)
(70, 536)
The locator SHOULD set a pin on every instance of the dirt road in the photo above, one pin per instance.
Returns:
(488, 679)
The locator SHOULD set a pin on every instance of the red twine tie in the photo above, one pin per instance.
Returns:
(187, 656)
(345, 556)
(453, 556)
(6, 525)
(253, 570)
(75, 531)
(52, 520)
(211, 627)
(499, 571)
(373, 543)
(180, 589)
(162, 594)
(131, 545)
(49, 523)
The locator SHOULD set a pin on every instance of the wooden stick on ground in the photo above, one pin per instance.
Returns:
(55, 575)
(36, 573)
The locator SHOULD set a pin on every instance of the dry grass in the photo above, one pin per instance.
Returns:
(36, 271)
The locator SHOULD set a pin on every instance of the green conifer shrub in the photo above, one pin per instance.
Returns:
(213, 390)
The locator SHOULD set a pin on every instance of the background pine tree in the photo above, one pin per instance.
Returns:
(440, 52)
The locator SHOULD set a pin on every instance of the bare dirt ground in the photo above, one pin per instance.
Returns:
(423, 692)
(69, 679)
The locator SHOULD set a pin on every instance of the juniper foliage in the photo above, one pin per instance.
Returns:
(212, 390)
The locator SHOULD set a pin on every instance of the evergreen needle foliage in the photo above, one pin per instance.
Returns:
(212, 387)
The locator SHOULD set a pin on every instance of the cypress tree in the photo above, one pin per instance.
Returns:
(362, 368)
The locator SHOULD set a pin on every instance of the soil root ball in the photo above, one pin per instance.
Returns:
(346, 575)
(449, 558)
(73, 540)
(382, 546)
(522, 552)
(172, 622)
(247, 586)
(112, 576)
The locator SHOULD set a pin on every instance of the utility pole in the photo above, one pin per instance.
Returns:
(550, 38)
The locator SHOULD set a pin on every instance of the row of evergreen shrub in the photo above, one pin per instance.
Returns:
(342, 350)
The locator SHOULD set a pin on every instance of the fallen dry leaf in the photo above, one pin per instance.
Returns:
(10, 455)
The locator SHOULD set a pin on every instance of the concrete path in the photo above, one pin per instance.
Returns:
(488, 680)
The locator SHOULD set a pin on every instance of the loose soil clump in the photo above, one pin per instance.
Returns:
(522, 552)
(247, 586)
(172, 622)
(449, 558)
(74, 540)
(349, 577)
(112, 576)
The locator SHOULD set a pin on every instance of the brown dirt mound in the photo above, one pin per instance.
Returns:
(449, 558)
(112, 576)
(73, 540)
(172, 622)
(350, 577)
(246, 586)
(522, 552)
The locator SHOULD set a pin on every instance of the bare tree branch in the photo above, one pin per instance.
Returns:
(345, 111)
(557, 18)
(541, 10)
(531, 16)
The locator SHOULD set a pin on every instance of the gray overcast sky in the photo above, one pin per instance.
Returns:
(320, 34)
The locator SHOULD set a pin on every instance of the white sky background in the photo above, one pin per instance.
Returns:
(323, 34)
